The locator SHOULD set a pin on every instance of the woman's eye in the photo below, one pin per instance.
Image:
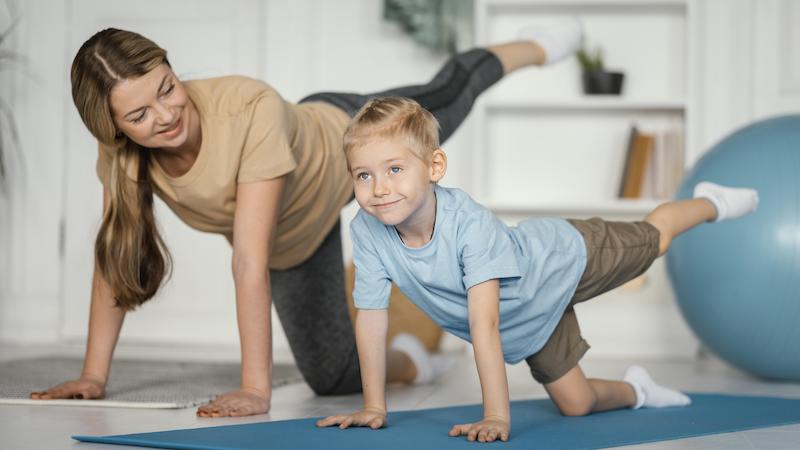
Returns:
(396, 169)
(139, 118)
(169, 90)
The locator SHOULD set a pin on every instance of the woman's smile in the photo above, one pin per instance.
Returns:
(174, 130)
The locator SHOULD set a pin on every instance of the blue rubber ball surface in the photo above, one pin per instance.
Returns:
(738, 282)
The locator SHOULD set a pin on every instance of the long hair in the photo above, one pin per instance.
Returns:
(129, 250)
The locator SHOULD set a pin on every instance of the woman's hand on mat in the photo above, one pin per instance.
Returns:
(373, 418)
(83, 388)
(244, 402)
(487, 430)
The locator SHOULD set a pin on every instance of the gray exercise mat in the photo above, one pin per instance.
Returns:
(133, 383)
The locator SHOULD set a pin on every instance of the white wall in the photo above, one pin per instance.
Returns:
(301, 47)
(740, 51)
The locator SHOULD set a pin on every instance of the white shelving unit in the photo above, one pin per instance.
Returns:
(543, 147)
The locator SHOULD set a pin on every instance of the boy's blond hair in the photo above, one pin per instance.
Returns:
(394, 118)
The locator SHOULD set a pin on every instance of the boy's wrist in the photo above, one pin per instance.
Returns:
(375, 409)
(505, 418)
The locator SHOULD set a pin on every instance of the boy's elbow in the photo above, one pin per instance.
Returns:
(484, 324)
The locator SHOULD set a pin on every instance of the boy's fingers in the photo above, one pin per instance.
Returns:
(328, 421)
(459, 430)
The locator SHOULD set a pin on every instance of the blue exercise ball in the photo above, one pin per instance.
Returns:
(737, 282)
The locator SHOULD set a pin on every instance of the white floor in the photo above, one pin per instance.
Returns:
(36, 427)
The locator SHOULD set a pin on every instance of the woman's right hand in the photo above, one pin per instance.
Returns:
(83, 388)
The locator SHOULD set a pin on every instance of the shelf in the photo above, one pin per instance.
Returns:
(588, 104)
(617, 207)
(578, 3)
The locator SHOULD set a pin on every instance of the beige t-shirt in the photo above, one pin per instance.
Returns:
(249, 133)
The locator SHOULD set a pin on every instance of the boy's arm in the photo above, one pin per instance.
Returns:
(484, 323)
(371, 329)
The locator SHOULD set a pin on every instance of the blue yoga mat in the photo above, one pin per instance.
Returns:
(536, 424)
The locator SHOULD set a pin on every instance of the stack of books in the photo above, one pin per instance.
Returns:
(654, 164)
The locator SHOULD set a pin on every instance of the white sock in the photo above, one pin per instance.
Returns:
(559, 36)
(730, 202)
(651, 395)
(429, 367)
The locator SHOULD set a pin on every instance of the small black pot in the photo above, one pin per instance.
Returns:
(603, 82)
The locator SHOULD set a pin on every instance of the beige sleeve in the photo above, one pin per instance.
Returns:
(266, 153)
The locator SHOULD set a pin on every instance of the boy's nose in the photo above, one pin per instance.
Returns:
(381, 188)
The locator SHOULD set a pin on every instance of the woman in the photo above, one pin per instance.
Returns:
(228, 155)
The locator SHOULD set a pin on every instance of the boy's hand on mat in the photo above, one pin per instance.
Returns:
(372, 418)
(487, 430)
(244, 402)
(83, 388)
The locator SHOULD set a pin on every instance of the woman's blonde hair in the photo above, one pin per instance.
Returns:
(129, 250)
(394, 118)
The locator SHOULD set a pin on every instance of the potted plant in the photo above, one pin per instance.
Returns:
(596, 79)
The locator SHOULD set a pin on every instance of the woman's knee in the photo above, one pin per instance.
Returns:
(324, 388)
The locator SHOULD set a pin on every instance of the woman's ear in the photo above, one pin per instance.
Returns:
(438, 165)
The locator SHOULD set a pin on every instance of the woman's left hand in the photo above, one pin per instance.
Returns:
(236, 404)
(487, 430)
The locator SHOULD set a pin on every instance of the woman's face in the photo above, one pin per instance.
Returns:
(154, 110)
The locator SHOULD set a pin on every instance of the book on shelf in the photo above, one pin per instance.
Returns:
(653, 165)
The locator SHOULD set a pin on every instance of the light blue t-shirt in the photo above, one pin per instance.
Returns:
(538, 264)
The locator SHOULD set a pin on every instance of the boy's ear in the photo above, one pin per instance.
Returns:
(438, 165)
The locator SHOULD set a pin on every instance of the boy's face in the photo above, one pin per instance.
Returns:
(391, 183)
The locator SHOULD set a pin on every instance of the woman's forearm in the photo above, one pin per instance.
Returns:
(254, 317)
(105, 323)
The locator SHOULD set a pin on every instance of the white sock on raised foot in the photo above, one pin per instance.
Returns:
(730, 202)
(651, 395)
(559, 36)
(429, 367)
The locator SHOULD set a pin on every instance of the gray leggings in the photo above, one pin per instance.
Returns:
(310, 298)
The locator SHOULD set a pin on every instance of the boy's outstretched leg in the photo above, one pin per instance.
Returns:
(712, 202)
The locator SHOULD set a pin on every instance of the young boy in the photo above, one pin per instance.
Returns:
(508, 290)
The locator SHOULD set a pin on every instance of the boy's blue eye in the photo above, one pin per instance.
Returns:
(395, 169)
(363, 176)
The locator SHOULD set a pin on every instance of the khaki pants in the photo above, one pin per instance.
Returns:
(616, 252)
